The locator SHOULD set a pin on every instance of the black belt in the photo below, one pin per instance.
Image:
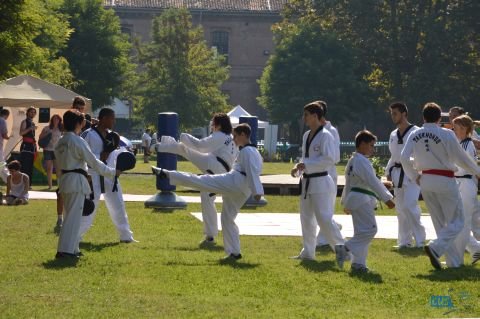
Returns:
(402, 173)
(307, 182)
(465, 176)
(225, 165)
(77, 170)
(81, 172)
(243, 173)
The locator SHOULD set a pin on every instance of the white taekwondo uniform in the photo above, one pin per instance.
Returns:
(317, 189)
(406, 193)
(72, 152)
(435, 152)
(332, 171)
(362, 187)
(213, 154)
(113, 200)
(235, 186)
(468, 186)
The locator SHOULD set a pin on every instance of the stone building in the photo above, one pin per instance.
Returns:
(239, 29)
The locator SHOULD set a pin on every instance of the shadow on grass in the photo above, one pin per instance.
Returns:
(410, 252)
(201, 247)
(370, 277)
(97, 247)
(315, 266)
(324, 250)
(163, 210)
(60, 263)
(452, 274)
(235, 264)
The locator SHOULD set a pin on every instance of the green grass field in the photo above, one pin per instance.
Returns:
(167, 274)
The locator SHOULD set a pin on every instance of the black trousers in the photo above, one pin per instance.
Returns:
(26, 160)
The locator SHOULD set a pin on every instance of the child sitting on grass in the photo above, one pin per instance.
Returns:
(17, 185)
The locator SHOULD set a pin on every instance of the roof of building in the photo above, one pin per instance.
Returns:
(213, 5)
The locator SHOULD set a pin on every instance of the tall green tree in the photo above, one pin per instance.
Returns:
(98, 52)
(416, 51)
(32, 33)
(182, 74)
(311, 63)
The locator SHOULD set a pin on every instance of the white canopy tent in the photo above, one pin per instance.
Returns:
(122, 110)
(21, 92)
(238, 112)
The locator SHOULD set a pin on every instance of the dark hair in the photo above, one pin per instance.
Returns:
(4, 112)
(457, 109)
(31, 108)
(323, 104)
(431, 112)
(14, 165)
(104, 112)
(364, 136)
(71, 119)
(78, 101)
(243, 128)
(400, 106)
(315, 107)
(222, 120)
(60, 125)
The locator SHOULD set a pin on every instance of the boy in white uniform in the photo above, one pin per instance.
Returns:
(435, 152)
(235, 186)
(214, 154)
(113, 199)
(332, 171)
(406, 191)
(359, 198)
(317, 187)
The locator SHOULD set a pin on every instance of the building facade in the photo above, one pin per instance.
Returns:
(239, 29)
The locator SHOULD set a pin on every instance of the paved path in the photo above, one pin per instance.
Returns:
(276, 224)
(288, 224)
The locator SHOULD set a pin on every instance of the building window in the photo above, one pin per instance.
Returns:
(220, 42)
(127, 29)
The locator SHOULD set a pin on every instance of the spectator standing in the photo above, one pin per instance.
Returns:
(28, 148)
(146, 141)
(55, 129)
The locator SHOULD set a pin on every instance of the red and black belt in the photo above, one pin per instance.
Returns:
(439, 172)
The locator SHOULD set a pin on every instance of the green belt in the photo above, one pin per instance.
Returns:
(364, 191)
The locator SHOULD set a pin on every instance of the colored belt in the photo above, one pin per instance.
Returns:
(402, 174)
(28, 140)
(439, 172)
(364, 191)
(307, 182)
(465, 176)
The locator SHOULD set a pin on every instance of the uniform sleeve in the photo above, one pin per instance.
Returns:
(461, 157)
(93, 162)
(405, 156)
(336, 139)
(367, 174)
(324, 161)
(205, 145)
(346, 188)
(253, 169)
